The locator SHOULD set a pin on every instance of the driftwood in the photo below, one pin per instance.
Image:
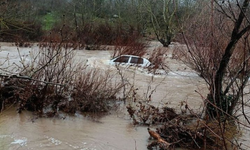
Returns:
(159, 141)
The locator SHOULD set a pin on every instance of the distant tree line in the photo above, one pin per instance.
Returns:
(31, 20)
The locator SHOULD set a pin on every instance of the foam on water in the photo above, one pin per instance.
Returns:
(20, 141)
(183, 74)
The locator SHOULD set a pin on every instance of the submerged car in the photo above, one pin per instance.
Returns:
(130, 60)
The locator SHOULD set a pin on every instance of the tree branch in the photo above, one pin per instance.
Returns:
(29, 78)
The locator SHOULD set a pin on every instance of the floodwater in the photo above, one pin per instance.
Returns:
(114, 131)
(111, 132)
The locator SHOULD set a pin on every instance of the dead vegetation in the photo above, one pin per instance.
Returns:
(130, 46)
(159, 140)
(181, 128)
(186, 129)
(96, 36)
(158, 59)
(52, 83)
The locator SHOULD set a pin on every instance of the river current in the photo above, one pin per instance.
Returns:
(114, 131)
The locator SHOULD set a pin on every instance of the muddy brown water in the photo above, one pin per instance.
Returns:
(111, 132)
(114, 131)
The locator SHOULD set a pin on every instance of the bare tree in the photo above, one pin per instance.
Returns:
(218, 48)
(162, 21)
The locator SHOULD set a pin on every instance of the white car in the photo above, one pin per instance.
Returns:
(130, 60)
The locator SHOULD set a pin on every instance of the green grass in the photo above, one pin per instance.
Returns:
(48, 21)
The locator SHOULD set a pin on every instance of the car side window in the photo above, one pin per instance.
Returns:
(122, 59)
(136, 60)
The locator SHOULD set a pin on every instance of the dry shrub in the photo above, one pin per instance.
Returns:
(203, 45)
(53, 83)
(27, 95)
(185, 129)
(157, 58)
(104, 34)
(97, 35)
(204, 51)
(60, 34)
(127, 40)
(43, 80)
(206, 42)
(193, 133)
(92, 36)
(130, 48)
(95, 91)
(143, 112)
(217, 132)
(54, 63)
(85, 35)
(197, 58)
(146, 114)
(86, 93)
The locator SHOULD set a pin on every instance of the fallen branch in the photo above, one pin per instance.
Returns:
(29, 78)
(160, 141)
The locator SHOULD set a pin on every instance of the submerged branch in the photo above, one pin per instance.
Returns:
(29, 78)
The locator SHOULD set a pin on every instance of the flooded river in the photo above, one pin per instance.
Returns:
(111, 132)
(114, 131)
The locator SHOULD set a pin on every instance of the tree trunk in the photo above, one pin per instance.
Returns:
(217, 97)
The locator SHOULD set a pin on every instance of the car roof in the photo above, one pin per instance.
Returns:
(129, 56)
